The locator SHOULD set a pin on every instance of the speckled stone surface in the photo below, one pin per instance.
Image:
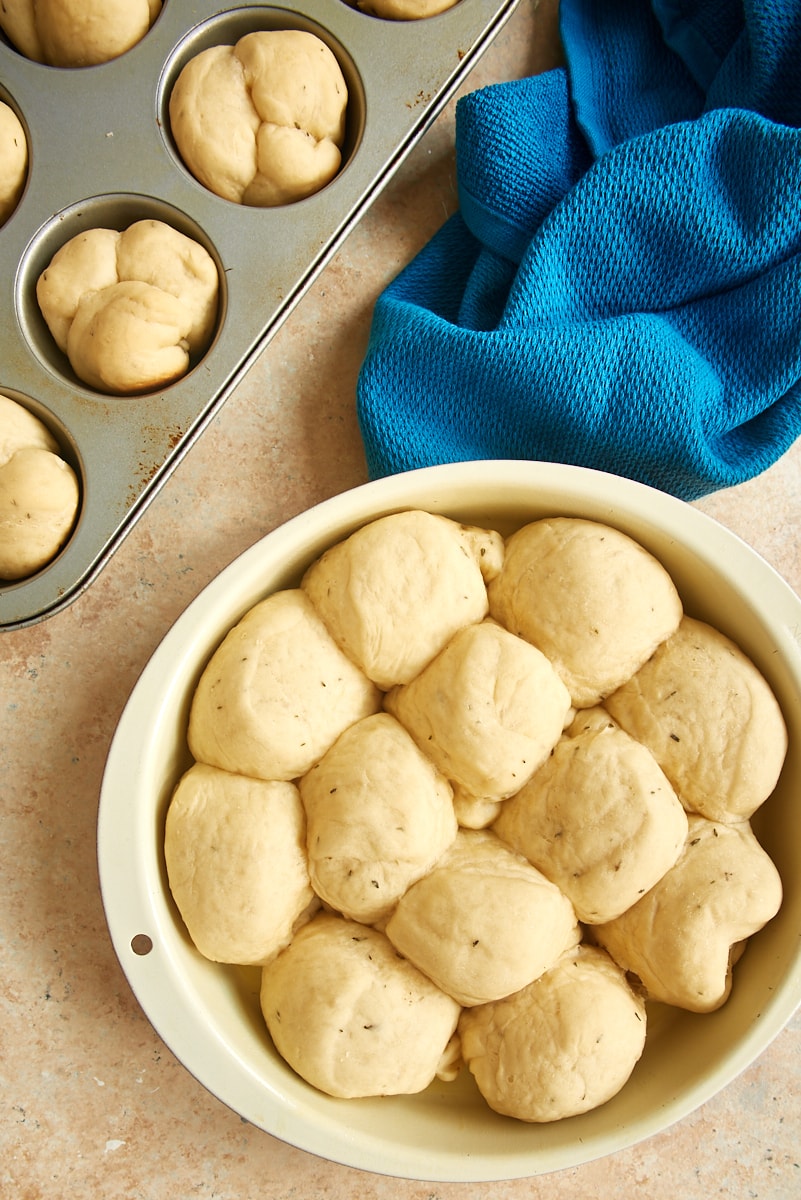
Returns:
(94, 1104)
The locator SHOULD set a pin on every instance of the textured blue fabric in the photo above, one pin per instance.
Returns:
(621, 286)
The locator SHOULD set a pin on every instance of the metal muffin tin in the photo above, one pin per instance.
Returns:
(101, 154)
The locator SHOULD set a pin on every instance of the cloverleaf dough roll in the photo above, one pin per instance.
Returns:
(351, 1017)
(599, 818)
(593, 600)
(234, 849)
(710, 720)
(379, 815)
(262, 122)
(484, 922)
(13, 161)
(277, 693)
(39, 493)
(682, 937)
(405, 10)
(76, 33)
(396, 590)
(488, 710)
(130, 309)
(561, 1046)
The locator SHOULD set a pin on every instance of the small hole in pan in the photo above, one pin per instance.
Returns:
(225, 30)
(141, 944)
(116, 212)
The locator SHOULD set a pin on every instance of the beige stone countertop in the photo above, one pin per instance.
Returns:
(94, 1104)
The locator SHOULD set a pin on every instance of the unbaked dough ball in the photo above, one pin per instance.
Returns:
(379, 816)
(599, 818)
(405, 10)
(710, 719)
(593, 600)
(263, 122)
(565, 1044)
(351, 1017)
(488, 710)
(39, 493)
(20, 429)
(277, 693)
(131, 310)
(397, 589)
(76, 33)
(483, 923)
(474, 812)
(682, 937)
(236, 863)
(13, 161)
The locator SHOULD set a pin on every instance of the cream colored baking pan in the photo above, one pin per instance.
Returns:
(101, 154)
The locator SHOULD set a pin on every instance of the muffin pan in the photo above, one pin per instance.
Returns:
(101, 154)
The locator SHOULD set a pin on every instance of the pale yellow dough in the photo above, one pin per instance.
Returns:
(488, 710)
(682, 937)
(20, 429)
(593, 600)
(565, 1044)
(39, 493)
(405, 10)
(710, 719)
(351, 1017)
(76, 33)
(474, 812)
(13, 161)
(379, 816)
(599, 818)
(262, 122)
(483, 922)
(397, 589)
(234, 849)
(498, 753)
(130, 309)
(277, 693)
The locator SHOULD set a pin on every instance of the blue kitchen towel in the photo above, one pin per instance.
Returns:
(621, 285)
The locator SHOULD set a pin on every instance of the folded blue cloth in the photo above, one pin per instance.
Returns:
(621, 285)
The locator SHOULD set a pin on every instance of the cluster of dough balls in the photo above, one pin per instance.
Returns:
(475, 800)
(262, 122)
(131, 309)
(39, 494)
(76, 33)
(13, 161)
